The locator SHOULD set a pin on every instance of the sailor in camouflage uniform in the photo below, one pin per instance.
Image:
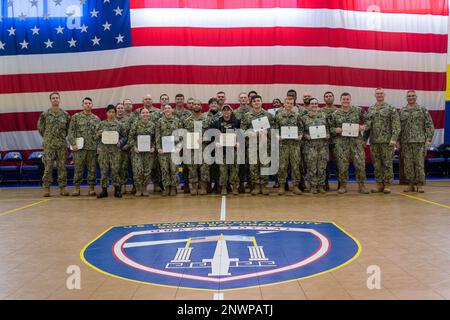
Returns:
(84, 125)
(142, 160)
(329, 108)
(109, 154)
(244, 169)
(198, 170)
(315, 150)
(259, 181)
(212, 116)
(383, 125)
(348, 148)
(53, 126)
(289, 148)
(416, 133)
(165, 126)
(125, 160)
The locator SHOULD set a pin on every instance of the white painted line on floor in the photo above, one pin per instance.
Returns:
(218, 296)
(223, 208)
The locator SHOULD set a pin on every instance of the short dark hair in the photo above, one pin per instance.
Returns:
(291, 91)
(251, 92)
(86, 98)
(179, 95)
(53, 93)
(329, 92)
(211, 100)
(111, 107)
(164, 94)
(220, 92)
(255, 97)
(346, 94)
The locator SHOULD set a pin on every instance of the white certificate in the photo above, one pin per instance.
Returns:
(289, 132)
(110, 137)
(168, 144)
(144, 143)
(79, 142)
(192, 140)
(228, 139)
(261, 124)
(317, 132)
(350, 129)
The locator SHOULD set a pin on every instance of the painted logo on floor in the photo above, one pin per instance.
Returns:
(221, 255)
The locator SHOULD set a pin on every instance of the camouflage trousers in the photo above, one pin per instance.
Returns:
(229, 173)
(414, 162)
(350, 149)
(142, 167)
(382, 155)
(106, 160)
(169, 171)
(332, 150)
(289, 154)
(194, 171)
(303, 172)
(316, 159)
(156, 171)
(254, 153)
(82, 158)
(48, 158)
(244, 169)
(125, 162)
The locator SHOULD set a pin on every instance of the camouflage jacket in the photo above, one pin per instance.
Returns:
(241, 111)
(212, 117)
(416, 125)
(382, 123)
(166, 127)
(84, 126)
(337, 118)
(289, 119)
(189, 122)
(295, 109)
(182, 115)
(106, 126)
(246, 122)
(142, 128)
(310, 120)
(54, 127)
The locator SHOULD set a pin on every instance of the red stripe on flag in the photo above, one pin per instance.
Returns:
(309, 75)
(289, 36)
(27, 121)
(436, 7)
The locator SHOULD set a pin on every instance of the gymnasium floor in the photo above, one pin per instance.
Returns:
(408, 237)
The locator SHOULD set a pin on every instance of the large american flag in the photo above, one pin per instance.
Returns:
(116, 49)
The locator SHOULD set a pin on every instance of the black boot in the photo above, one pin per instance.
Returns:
(103, 194)
(117, 192)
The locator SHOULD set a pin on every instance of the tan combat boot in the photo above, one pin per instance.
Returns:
(193, 189)
(157, 188)
(144, 190)
(410, 188)
(343, 188)
(297, 190)
(46, 192)
(165, 191)
(63, 191)
(322, 190)
(224, 191)
(314, 190)
(203, 186)
(387, 189)
(420, 189)
(138, 191)
(281, 190)
(76, 192)
(362, 188)
(236, 189)
(92, 190)
(173, 191)
(264, 189)
(378, 189)
(256, 189)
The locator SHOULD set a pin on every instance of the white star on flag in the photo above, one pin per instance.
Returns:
(24, 44)
(118, 11)
(22, 17)
(46, 16)
(2, 45)
(106, 26)
(95, 41)
(84, 28)
(72, 43)
(12, 31)
(57, 2)
(35, 30)
(59, 29)
(48, 43)
(34, 3)
(94, 13)
(120, 38)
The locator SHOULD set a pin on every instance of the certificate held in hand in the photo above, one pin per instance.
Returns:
(168, 144)
(79, 142)
(261, 124)
(228, 139)
(110, 137)
(192, 140)
(317, 132)
(350, 129)
(289, 132)
(144, 143)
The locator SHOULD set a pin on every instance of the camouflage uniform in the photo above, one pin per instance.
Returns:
(241, 111)
(84, 126)
(169, 170)
(416, 129)
(53, 127)
(142, 161)
(348, 148)
(383, 125)
(328, 111)
(244, 169)
(315, 151)
(125, 159)
(302, 111)
(255, 169)
(289, 148)
(183, 115)
(109, 154)
(214, 171)
(197, 172)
